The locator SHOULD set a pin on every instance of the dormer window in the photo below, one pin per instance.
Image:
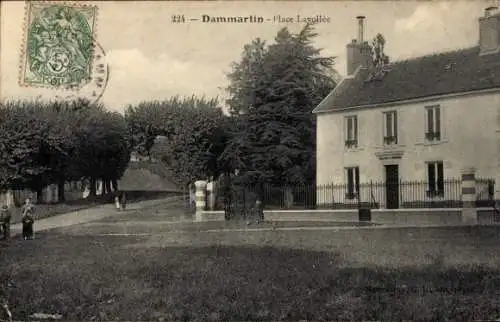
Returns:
(449, 66)
(377, 75)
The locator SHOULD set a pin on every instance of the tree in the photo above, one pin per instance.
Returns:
(145, 123)
(20, 140)
(43, 143)
(245, 76)
(58, 144)
(379, 57)
(186, 134)
(103, 149)
(275, 135)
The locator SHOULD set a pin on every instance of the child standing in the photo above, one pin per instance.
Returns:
(28, 219)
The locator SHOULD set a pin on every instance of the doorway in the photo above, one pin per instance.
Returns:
(392, 186)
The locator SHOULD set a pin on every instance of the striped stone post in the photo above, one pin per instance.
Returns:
(469, 211)
(201, 190)
(497, 177)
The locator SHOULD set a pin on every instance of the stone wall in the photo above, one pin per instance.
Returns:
(411, 217)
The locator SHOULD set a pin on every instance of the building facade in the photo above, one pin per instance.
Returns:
(422, 119)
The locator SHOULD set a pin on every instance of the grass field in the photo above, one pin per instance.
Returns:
(184, 272)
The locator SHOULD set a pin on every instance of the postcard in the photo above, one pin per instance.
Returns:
(249, 160)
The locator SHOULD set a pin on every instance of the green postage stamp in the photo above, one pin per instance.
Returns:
(58, 45)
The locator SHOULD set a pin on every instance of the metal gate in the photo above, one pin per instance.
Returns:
(239, 201)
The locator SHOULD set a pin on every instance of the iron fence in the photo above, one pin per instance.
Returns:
(485, 192)
(402, 194)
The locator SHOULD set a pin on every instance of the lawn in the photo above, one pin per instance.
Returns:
(178, 273)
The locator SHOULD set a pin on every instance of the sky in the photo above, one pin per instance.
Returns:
(152, 58)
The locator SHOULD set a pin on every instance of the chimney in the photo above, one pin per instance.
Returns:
(489, 31)
(359, 52)
(488, 11)
(360, 28)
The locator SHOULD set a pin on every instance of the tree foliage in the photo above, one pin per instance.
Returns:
(186, 134)
(379, 56)
(245, 76)
(272, 93)
(43, 143)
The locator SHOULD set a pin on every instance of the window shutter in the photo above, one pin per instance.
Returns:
(430, 120)
(438, 119)
(350, 181)
(357, 178)
(395, 126)
(355, 135)
(349, 128)
(431, 176)
(440, 176)
(388, 124)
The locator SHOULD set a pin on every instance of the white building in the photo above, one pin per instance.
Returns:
(424, 119)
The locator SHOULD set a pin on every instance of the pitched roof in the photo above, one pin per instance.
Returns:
(445, 73)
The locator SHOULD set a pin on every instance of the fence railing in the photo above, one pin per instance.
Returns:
(402, 194)
(485, 192)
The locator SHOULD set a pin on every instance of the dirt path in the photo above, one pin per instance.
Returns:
(88, 215)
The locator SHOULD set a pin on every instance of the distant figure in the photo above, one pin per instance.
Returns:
(123, 201)
(117, 202)
(260, 210)
(227, 195)
(5, 314)
(211, 193)
(5, 221)
(28, 219)
(192, 197)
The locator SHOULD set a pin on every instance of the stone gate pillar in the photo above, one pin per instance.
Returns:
(7, 198)
(469, 211)
(201, 190)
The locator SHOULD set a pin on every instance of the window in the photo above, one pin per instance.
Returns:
(435, 175)
(352, 178)
(433, 123)
(351, 134)
(390, 128)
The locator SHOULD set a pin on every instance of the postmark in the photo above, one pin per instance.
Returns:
(59, 45)
(94, 89)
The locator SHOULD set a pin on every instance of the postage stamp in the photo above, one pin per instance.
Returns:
(59, 45)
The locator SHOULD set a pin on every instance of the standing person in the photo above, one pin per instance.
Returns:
(123, 201)
(192, 197)
(210, 194)
(117, 201)
(227, 194)
(260, 210)
(5, 221)
(28, 219)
